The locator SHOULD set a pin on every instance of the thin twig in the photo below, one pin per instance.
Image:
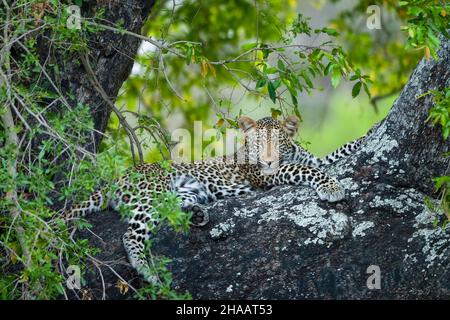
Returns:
(130, 132)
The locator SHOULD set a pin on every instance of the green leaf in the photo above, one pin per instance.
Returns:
(272, 92)
(297, 113)
(307, 79)
(232, 123)
(275, 112)
(260, 83)
(265, 50)
(249, 46)
(356, 89)
(189, 55)
(294, 101)
(270, 70)
(276, 84)
(446, 132)
(366, 89)
(335, 77)
(328, 68)
(281, 65)
(330, 31)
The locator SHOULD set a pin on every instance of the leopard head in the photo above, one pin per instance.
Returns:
(268, 141)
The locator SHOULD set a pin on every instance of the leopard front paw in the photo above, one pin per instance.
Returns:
(331, 192)
(200, 217)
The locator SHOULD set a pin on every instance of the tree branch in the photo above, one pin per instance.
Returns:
(287, 244)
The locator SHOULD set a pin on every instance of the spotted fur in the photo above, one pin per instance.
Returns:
(269, 157)
(300, 155)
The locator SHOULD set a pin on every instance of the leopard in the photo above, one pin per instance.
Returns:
(269, 157)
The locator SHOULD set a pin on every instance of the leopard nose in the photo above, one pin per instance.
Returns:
(272, 164)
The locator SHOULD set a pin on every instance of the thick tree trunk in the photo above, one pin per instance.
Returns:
(405, 141)
(286, 243)
(111, 55)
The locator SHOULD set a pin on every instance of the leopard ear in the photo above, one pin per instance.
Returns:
(246, 124)
(290, 125)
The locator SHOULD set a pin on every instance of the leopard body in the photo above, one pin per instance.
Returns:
(269, 157)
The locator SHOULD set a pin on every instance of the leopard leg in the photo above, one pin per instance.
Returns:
(326, 187)
(139, 230)
(93, 204)
(190, 203)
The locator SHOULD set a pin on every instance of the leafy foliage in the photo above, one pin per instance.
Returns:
(46, 162)
(440, 114)
(382, 53)
(442, 185)
(426, 20)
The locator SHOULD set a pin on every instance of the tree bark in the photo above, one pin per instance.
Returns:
(286, 243)
(111, 54)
